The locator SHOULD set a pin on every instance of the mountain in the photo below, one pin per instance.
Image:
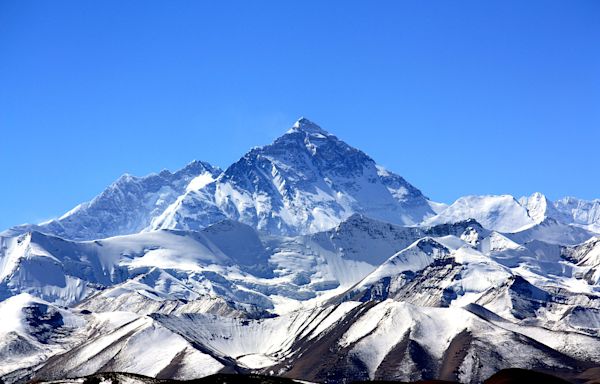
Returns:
(226, 268)
(69, 341)
(552, 231)
(372, 340)
(500, 213)
(185, 266)
(539, 208)
(565, 221)
(126, 206)
(32, 330)
(372, 300)
(306, 260)
(306, 181)
(582, 212)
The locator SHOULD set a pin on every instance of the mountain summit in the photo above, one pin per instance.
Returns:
(305, 125)
(307, 180)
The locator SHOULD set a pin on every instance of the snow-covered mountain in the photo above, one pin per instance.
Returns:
(227, 267)
(499, 213)
(582, 212)
(303, 259)
(230, 299)
(127, 206)
(504, 213)
(306, 181)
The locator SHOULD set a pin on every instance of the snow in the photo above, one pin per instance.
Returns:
(496, 242)
(145, 344)
(22, 341)
(479, 274)
(537, 205)
(583, 212)
(199, 182)
(383, 327)
(334, 317)
(256, 361)
(499, 213)
(414, 258)
(11, 312)
(127, 206)
(306, 181)
(133, 344)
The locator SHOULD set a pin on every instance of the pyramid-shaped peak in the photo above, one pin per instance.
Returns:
(307, 126)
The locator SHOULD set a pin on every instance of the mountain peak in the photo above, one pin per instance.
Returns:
(307, 126)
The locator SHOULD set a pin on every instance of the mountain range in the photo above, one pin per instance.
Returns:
(304, 259)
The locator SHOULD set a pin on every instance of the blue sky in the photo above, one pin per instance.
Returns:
(459, 97)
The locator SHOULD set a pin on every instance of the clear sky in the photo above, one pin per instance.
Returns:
(459, 97)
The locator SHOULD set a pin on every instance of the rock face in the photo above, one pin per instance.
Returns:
(303, 259)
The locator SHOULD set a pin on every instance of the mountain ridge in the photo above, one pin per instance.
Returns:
(288, 195)
(307, 180)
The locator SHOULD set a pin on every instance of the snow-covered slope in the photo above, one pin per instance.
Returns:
(568, 221)
(583, 212)
(415, 257)
(306, 181)
(31, 331)
(391, 340)
(126, 206)
(499, 213)
(568, 210)
(123, 342)
(38, 339)
(66, 272)
(539, 207)
(226, 268)
(552, 231)
(211, 296)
